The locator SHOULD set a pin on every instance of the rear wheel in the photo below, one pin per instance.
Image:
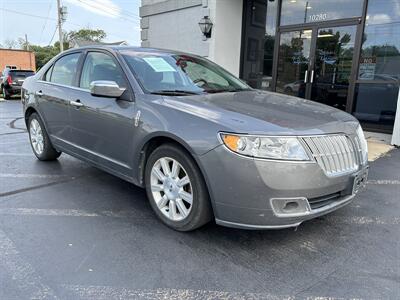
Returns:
(176, 189)
(6, 94)
(39, 139)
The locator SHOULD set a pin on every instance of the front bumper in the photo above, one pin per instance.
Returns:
(243, 190)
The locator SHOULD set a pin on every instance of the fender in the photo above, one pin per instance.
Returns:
(139, 156)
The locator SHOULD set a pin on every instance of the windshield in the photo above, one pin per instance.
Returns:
(180, 74)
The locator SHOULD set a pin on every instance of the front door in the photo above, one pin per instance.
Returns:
(103, 128)
(316, 62)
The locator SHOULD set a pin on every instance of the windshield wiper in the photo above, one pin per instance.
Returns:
(174, 92)
(227, 90)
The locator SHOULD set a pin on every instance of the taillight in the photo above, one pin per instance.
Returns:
(9, 79)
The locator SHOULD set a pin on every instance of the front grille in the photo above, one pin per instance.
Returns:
(319, 202)
(335, 154)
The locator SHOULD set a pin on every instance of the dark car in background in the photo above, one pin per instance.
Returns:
(12, 80)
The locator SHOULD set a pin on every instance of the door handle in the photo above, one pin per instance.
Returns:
(76, 103)
(312, 76)
(305, 76)
(39, 93)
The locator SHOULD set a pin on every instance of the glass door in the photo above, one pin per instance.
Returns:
(294, 58)
(317, 63)
(332, 66)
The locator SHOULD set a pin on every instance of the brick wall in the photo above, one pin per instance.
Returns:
(20, 58)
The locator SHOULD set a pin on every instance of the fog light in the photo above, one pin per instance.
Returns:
(290, 207)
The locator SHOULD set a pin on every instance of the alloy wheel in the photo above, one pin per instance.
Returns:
(171, 189)
(36, 136)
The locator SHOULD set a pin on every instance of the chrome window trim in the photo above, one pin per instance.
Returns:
(64, 85)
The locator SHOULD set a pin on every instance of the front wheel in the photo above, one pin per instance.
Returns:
(176, 189)
(39, 139)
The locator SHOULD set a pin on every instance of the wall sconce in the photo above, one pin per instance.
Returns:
(206, 26)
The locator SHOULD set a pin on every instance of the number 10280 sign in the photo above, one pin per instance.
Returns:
(318, 17)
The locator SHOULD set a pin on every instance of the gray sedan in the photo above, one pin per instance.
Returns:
(203, 143)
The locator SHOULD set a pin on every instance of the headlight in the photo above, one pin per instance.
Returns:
(284, 148)
(363, 144)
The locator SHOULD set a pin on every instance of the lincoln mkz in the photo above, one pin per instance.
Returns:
(201, 142)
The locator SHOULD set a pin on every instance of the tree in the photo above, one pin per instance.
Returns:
(10, 44)
(23, 44)
(44, 54)
(94, 35)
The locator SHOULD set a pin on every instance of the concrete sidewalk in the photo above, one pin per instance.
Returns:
(378, 144)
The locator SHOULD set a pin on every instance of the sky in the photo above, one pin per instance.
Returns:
(37, 18)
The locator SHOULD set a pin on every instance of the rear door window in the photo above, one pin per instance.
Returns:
(65, 69)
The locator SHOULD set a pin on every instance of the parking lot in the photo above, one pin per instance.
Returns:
(71, 231)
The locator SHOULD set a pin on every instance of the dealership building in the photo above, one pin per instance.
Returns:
(344, 53)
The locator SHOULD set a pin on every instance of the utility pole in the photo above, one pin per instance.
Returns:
(62, 17)
(26, 42)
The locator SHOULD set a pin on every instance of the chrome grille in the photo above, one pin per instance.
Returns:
(335, 154)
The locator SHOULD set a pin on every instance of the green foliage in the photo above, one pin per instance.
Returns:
(44, 54)
(94, 35)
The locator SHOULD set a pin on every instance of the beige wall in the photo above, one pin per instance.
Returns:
(19, 58)
(226, 40)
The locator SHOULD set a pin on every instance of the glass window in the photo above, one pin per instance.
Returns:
(293, 62)
(380, 53)
(309, 11)
(165, 73)
(47, 76)
(199, 73)
(376, 103)
(333, 63)
(65, 68)
(100, 66)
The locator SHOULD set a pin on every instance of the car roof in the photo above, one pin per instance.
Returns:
(136, 49)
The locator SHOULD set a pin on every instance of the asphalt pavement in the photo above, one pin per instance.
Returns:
(71, 231)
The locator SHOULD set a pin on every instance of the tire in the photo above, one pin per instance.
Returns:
(37, 132)
(288, 90)
(6, 94)
(193, 215)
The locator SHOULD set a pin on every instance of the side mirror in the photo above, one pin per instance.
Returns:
(105, 88)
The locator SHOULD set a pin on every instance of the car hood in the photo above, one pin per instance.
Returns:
(265, 112)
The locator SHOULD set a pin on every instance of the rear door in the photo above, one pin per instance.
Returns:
(103, 128)
(54, 93)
